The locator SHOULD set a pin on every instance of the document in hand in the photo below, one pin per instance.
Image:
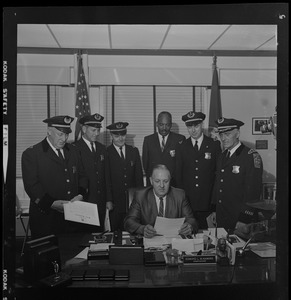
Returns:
(168, 227)
(82, 212)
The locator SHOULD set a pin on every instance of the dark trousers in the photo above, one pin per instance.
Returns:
(200, 217)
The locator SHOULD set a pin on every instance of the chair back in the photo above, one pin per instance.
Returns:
(129, 197)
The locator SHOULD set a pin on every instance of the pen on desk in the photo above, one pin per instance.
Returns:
(100, 234)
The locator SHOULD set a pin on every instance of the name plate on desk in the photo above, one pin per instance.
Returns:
(126, 255)
(199, 259)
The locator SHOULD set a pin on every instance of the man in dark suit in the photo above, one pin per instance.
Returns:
(160, 147)
(159, 200)
(96, 164)
(125, 172)
(52, 175)
(239, 177)
(196, 165)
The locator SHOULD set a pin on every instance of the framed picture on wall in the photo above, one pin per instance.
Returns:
(257, 123)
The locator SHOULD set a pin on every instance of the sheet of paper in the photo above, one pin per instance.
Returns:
(100, 246)
(188, 245)
(210, 223)
(168, 227)
(82, 212)
(83, 254)
(266, 249)
(157, 241)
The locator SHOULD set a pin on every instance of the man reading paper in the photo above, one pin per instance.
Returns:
(161, 200)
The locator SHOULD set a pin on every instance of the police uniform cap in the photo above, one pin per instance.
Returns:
(118, 128)
(62, 123)
(92, 120)
(224, 124)
(193, 118)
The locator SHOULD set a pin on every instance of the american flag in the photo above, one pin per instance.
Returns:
(82, 107)
(215, 111)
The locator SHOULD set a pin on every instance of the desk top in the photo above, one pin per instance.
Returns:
(250, 269)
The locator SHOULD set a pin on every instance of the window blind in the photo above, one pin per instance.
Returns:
(32, 109)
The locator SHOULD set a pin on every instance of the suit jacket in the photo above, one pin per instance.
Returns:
(195, 171)
(97, 169)
(238, 181)
(124, 174)
(152, 153)
(143, 209)
(47, 178)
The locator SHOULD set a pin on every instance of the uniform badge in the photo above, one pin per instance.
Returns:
(235, 169)
(74, 169)
(172, 153)
(257, 160)
(101, 157)
(131, 163)
(119, 125)
(207, 155)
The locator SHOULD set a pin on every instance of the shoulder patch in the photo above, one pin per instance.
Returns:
(252, 151)
(257, 160)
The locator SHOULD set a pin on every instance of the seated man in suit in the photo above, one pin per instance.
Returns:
(162, 200)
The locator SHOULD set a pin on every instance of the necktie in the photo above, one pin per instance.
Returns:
(226, 156)
(92, 147)
(196, 146)
(121, 153)
(161, 207)
(163, 144)
(60, 155)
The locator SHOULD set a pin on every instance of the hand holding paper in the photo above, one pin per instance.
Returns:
(82, 212)
(168, 227)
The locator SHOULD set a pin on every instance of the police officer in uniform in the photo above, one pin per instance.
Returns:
(95, 161)
(52, 175)
(195, 166)
(125, 171)
(238, 176)
(160, 147)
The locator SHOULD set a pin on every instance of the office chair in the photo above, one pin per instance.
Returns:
(129, 197)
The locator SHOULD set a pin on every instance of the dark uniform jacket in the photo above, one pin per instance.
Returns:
(143, 209)
(238, 181)
(47, 178)
(195, 171)
(97, 169)
(124, 174)
(153, 155)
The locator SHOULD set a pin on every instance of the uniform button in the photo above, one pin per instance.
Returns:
(125, 184)
(196, 177)
(66, 170)
(69, 192)
(219, 201)
(196, 169)
(68, 180)
(221, 180)
(196, 160)
(222, 170)
(196, 185)
(125, 176)
(98, 192)
(220, 191)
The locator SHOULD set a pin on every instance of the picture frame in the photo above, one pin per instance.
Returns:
(257, 122)
(269, 191)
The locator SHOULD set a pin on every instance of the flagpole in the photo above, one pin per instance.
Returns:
(215, 110)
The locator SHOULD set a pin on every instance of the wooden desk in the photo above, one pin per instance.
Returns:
(249, 269)
(251, 274)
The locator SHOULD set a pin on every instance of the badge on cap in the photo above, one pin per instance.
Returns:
(190, 114)
(220, 120)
